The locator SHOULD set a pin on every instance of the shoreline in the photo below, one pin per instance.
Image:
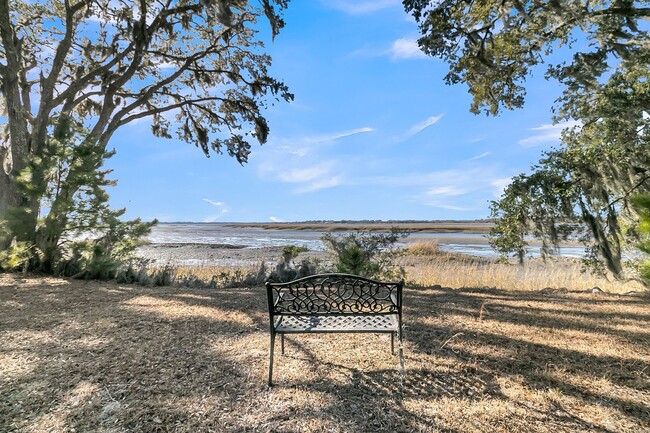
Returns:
(193, 254)
(426, 227)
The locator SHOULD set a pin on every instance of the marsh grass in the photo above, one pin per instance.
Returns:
(426, 266)
(196, 276)
(430, 247)
(105, 357)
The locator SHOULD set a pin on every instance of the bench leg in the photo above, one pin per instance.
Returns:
(282, 342)
(400, 346)
(392, 343)
(271, 359)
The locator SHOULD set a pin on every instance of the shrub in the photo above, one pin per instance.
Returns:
(366, 254)
(294, 250)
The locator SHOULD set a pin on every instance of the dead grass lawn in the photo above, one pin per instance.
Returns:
(102, 357)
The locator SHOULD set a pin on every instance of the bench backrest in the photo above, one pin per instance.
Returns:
(329, 294)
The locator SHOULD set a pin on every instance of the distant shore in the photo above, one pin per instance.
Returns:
(428, 227)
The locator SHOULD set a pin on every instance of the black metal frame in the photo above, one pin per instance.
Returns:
(335, 303)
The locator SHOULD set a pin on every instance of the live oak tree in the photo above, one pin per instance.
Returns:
(642, 204)
(83, 69)
(585, 186)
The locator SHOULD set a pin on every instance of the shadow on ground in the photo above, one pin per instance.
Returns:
(87, 356)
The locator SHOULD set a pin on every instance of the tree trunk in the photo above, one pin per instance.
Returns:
(15, 205)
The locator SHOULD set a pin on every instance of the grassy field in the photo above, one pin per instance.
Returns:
(79, 356)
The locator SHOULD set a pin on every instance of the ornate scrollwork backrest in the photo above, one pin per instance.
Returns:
(334, 294)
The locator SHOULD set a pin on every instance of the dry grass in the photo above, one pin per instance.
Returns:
(458, 270)
(102, 357)
(222, 273)
(429, 247)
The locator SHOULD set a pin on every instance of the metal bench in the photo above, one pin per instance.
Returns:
(335, 303)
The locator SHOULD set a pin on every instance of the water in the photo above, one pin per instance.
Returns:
(219, 233)
(253, 237)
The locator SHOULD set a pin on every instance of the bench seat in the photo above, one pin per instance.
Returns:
(342, 323)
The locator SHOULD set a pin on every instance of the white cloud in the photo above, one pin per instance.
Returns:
(334, 136)
(356, 7)
(303, 161)
(446, 190)
(452, 189)
(310, 179)
(547, 133)
(405, 48)
(482, 155)
(301, 175)
(214, 203)
(424, 124)
(322, 183)
(222, 210)
(297, 152)
(276, 219)
(451, 207)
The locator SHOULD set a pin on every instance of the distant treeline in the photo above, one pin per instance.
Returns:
(479, 227)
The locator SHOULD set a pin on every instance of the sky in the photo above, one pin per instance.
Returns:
(373, 134)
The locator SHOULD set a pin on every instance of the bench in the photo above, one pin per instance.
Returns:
(335, 303)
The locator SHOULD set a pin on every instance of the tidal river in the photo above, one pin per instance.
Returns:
(216, 234)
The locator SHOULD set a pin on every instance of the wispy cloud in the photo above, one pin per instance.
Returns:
(481, 156)
(310, 179)
(301, 175)
(222, 210)
(453, 189)
(321, 183)
(355, 7)
(335, 135)
(424, 124)
(405, 48)
(214, 203)
(303, 161)
(452, 207)
(276, 219)
(306, 179)
(547, 133)
(446, 190)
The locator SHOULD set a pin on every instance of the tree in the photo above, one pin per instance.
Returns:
(583, 188)
(93, 242)
(494, 45)
(193, 67)
(642, 204)
(586, 187)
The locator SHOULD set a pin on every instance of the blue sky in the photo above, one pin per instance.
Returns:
(373, 133)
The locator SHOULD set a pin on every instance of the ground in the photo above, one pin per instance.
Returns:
(103, 357)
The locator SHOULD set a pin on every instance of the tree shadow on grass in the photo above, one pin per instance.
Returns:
(550, 348)
(107, 358)
(112, 358)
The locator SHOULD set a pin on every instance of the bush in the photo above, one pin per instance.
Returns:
(294, 250)
(366, 254)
